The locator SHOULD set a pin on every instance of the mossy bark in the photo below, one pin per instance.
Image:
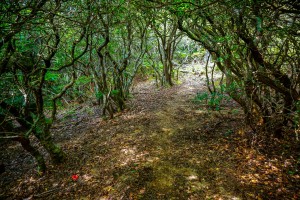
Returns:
(56, 153)
(25, 142)
(43, 135)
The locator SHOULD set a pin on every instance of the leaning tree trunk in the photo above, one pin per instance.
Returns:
(23, 138)
(25, 142)
(42, 133)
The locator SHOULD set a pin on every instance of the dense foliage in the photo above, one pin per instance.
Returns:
(56, 52)
(256, 45)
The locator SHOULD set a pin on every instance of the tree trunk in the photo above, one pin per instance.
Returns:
(25, 142)
(168, 75)
(44, 136)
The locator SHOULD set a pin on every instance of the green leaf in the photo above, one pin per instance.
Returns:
(115, 92)
(82, 80)
(51, 76)
(99, 95)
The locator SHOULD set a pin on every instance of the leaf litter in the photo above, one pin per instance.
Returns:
(163, 146)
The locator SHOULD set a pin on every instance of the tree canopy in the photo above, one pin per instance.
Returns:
(56, 52)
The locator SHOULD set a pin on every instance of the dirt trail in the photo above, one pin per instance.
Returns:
(163, 146)
(160, 150)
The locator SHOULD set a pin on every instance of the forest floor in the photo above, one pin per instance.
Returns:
(163, 146)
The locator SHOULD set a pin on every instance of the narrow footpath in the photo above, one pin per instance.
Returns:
(163, 146)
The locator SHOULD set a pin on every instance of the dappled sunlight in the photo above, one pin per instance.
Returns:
(128, 155)
(268, 174)
(166, 147)
(149, 100)
(173, 165)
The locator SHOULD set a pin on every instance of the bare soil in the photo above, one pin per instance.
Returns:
(163, 146)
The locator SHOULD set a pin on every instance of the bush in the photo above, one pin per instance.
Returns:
(213, 100)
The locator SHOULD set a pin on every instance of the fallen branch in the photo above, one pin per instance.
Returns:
(10, 137)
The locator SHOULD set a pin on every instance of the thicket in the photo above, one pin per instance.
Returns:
(256, 45)
(56, 52)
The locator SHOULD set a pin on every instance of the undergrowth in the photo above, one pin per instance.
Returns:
(214, 100)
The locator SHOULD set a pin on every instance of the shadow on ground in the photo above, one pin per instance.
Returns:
(163, 146)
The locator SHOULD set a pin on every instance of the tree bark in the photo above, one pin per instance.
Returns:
(44, 136)
(25, 142)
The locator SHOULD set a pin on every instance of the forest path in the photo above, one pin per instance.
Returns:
(164, 146)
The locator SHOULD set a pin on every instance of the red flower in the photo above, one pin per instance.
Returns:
(75, 177)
